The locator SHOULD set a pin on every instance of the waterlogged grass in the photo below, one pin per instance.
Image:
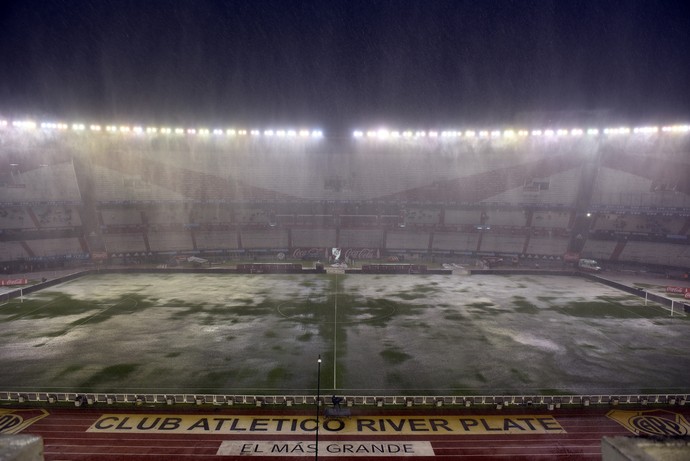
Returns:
(606, 309)
(110, 375)
(394, 356)
(523, 306)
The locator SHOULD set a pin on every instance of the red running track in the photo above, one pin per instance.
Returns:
(66, 434)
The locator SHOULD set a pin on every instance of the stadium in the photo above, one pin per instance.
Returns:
(520, 266)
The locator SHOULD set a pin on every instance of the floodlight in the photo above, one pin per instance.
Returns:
(204, 131)
(382, 134)
(592, 131)
(561, 132)
(95, 128)
(191, 131)
(483, 134)
(111, 129)
(280, 133)
(433, 134)
(138, 129)
(508, 133)
(548, 132)
(78, 127)
(470, 134)
(255, 133)
(268, 133)
(536, 132)
(496, 134)
(3, 123)
(355, 134)
(523, 133)
(291, 133)
(166, 130)
(25, 124)
(124, 129)
(576, 132)
(217, 132)
(304, 133)
(317, 134)
(406, 134)
(231, 132)
(151, 130)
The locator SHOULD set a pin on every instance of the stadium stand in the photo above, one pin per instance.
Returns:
(361, 238)
(45, 183)
(622, 199)
(407, 240)
(116, 217)
(15, 218)
(551, 219)
(163, 241)
(600, 250)
(509, 218)
(502, 243)
(452, 241)
(323, 238)
(124, 242)
(12, 251)
(56, 216)
(551, 246)
(264, 239)
(656, 253)
(55, 247)
(462, 217)
(216, 239)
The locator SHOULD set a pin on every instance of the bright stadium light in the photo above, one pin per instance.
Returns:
(576, 132)
(231, 132)
(420, 134)
(111, 129)
(470, 134)
(483, 134)
(317, 134)
(95, 128)
(124, 129)
(592, 131)
(355, 134)
(179, 130)
(536, 132)
(495, 134)
(548, 133)
(561, 132)
(280, 133)
(291, 133)
(268, 132)
(191, 131)
(407, 134)
(137, 129)
(255, 133)
(78, 127)
(433, 134)
(3, 123)
(204, 131)
(242, 132)
(24, 124)
(217, 132)
(508, 133)
(166, 130)
(304, 133)
(151, 130)
(523, 133)
(382, 134)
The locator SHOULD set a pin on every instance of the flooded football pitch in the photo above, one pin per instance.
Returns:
(382, 334)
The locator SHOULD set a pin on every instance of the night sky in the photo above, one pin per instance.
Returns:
(343, 64)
